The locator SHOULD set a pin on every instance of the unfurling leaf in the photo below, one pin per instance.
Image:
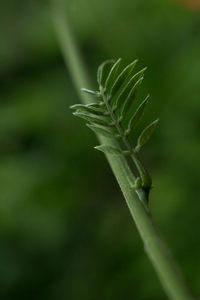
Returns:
(109, 150)
(114, 113)
(145, 135)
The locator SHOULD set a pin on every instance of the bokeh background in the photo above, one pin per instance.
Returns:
(65, 230)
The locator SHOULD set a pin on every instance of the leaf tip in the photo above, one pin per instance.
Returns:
(72, 106)
(156, 121)
(95, 93)
(147, 98)
(99, 148)
(89, 126)
(118, 60)
(133, 63)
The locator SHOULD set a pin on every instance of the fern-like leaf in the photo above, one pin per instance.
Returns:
(114, 114)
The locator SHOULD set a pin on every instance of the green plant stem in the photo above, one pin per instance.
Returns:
(168, 273)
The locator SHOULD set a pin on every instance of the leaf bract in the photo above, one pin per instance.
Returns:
(109, 150)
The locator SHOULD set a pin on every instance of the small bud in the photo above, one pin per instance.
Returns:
(138, 183)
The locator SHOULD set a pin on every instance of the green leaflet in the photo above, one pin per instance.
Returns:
(130, 92)
(145, 135)
(95, 93)
(124, 75)
(112, 76)
(102, 130)
(109, 150)
(93, 108)
(137, 116)
(123, 96)
(92, 118)
(103, 71)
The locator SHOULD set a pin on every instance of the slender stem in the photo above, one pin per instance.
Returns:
(168, 273)
(69, 49)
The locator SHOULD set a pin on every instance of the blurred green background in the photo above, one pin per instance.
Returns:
(65, 230)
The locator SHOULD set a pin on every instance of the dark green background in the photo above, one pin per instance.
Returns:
(65, 230)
